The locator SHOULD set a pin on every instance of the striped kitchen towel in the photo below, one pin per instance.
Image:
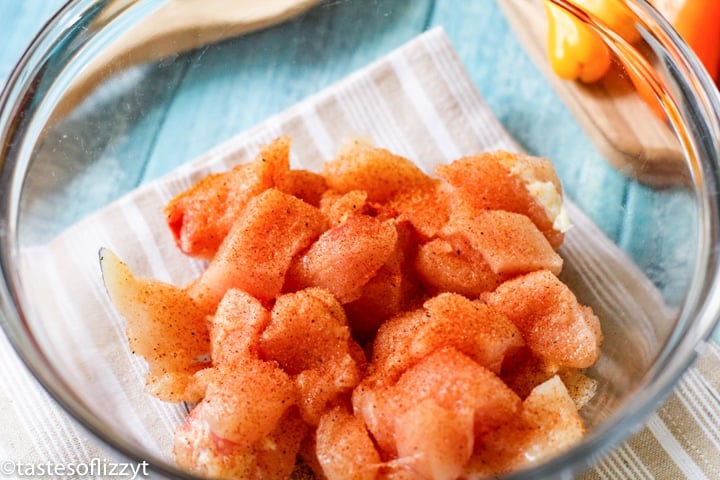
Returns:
(418, 102)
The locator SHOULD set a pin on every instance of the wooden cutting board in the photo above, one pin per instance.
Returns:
(624, 129)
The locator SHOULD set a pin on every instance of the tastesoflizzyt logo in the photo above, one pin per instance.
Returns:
(96, 468)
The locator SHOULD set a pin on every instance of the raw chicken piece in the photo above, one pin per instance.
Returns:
(448, 319)
(433, 441)
(524, 371)
(307, 329)
(200, 451)
(307, 186)
(373, 402)
(427, 209)
(344, 448)
(444, 268)
(508, 181)
(244, 402)
(200, 217)
(236, 327)
(309, 337)
(548, 424)
(256, 254)
(345, 257)
(339, 207)
(456, 382)
(326, 386)
(360, 166)
(554, 325)
(509, 243)
(453, 381)
(164, 326)
(393, 289)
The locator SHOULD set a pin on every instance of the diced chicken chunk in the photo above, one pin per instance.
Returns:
(553, 323)
(256, 254)
(444, 268)
(508, 242)
(200, 217)
(497, 181)
(344, 448)
(236, 327)
(446, 320)
(309, 337)
(345, 257)
(360, 166)
(165, 326)
(548, 424)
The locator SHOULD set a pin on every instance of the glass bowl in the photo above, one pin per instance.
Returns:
(115, 94)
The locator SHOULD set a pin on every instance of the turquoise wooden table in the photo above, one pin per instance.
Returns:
(195, 85)
(200, 88)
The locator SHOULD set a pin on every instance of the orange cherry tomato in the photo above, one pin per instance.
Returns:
(698, 23)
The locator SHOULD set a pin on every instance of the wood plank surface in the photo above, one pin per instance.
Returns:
(276, 68)
(20, 22)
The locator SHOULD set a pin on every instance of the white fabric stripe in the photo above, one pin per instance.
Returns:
(600, 468)
(425, 109)
(614, 466)
(712, 353)
(30, 405)
(135, 220)
(355, 108)
(639, 463)
(694, 397)
(320, 136)
(633, 463)
(606, 468)
(622, 466)
(484, 125)
(164, 193)
(227, 160)
(372, 110)
(704, 398)
(674, 449)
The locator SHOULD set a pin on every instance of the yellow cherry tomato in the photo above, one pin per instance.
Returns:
(574, 49)
(615, 14)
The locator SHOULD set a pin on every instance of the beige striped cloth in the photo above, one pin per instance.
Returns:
(418, 102)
